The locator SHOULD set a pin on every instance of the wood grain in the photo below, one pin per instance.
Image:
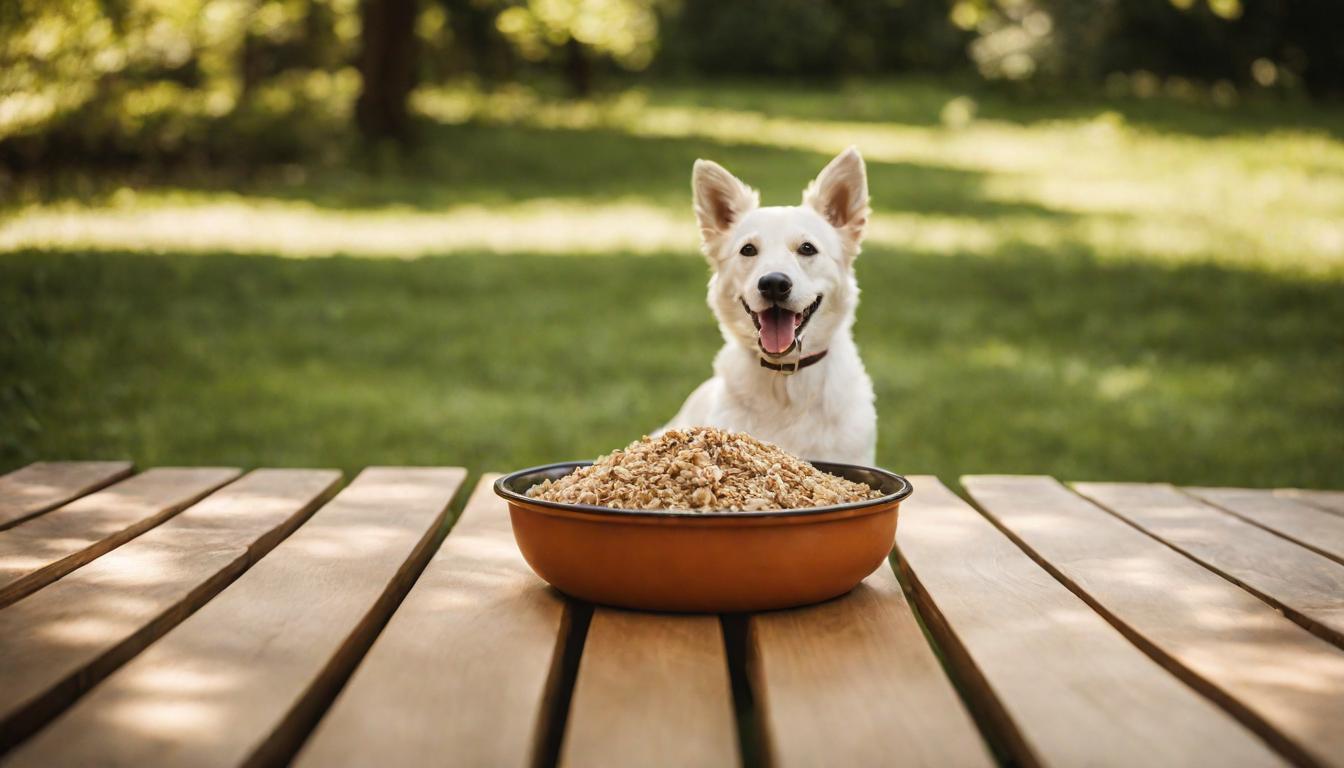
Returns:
(45, 485)
(62, 640)
(1061, 685)
(1272, 674)
(1305, 585)
(853, 682)
(1330, 501)
(652, 690)
(461, 672)
(1317, 530)
(242, 680)
(43, 549)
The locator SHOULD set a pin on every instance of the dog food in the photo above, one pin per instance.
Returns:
(702, 469)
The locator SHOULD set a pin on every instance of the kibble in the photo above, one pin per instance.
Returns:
(702, 469)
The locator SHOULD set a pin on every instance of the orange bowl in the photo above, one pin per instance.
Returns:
(704, 562)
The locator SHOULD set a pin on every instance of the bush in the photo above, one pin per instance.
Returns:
(1283, 44)
(810, 39)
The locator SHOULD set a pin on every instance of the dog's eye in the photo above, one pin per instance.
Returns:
(748, 250)
(807, 249)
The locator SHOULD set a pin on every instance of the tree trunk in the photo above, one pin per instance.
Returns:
(249, 60)
(250, 67)
(387, 63)
(578, 69)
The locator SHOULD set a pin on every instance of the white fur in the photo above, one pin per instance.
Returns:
(824, 411)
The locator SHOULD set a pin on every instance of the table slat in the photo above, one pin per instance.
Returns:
(1330, 501)
(853, 682)
(1305, 585)
(40, 550)
(462, 672)
(62, 640)
(1275, 676)
(1317, 530)
(45, 485)
(1060, 683)
(652, 690)
(243, 679)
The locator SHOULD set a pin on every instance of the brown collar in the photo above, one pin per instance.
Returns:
(793, 367)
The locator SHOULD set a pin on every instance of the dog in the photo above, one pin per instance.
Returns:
(784, 294)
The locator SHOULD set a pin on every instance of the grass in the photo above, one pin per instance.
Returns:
(1145, 290)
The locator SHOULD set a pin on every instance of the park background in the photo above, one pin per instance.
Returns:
(1108, 238)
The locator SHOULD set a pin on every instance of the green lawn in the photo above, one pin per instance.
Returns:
(1145, 290)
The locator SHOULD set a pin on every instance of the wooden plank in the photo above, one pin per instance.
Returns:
(652, 690)
(1330, 501)
(1270, 673)
(463, 669)
(242, 680)
(43, 549)
(1317, 530)
(45, 485)
(853, 682)
(1061, 686)
(1305, 585)
(64, 639)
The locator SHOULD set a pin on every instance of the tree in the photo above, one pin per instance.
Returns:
(387, 64)
(572, 31)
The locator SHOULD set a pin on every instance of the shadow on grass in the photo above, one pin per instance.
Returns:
(484, 164)
(923, 102)
(478, 163)
(1021, 362)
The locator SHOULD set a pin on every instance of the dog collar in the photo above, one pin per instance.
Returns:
(793, 367)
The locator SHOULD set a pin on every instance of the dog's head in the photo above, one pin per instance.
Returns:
(781, 273)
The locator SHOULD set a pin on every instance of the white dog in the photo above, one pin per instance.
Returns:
(784, 294)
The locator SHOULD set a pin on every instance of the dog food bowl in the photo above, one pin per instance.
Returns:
(704, 562)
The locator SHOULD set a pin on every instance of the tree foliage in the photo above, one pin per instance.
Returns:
(259, 79)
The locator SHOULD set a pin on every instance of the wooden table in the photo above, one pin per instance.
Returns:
(202, 616)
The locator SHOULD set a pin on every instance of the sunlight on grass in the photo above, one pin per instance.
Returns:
(955, 184)
(252, 225)
(261, 226)
(1244, 198)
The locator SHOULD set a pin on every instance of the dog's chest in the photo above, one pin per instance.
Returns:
(822, 417)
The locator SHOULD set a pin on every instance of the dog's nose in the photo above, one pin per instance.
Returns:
(775, 286)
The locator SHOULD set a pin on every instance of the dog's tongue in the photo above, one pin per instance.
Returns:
(777, 326)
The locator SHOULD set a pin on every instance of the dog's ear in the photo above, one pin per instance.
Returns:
(840, 195)
(721, 199)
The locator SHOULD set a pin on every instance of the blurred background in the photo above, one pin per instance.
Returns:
(1108, 239)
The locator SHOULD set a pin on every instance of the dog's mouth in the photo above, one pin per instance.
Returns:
(778, 328)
